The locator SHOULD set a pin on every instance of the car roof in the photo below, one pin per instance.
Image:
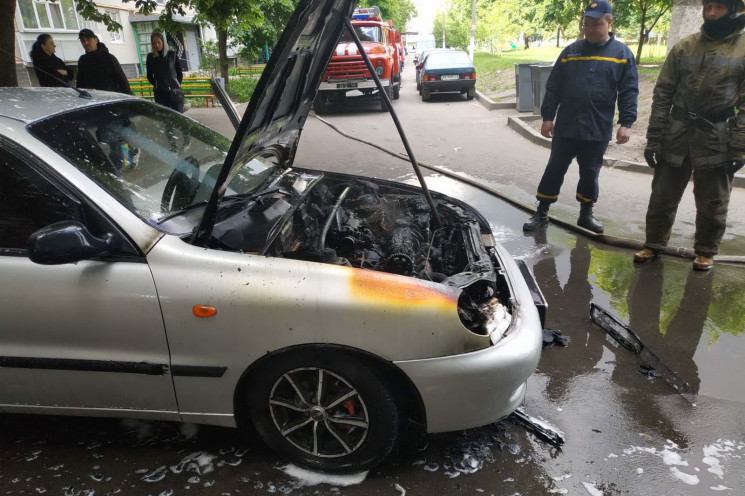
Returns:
(31, 104)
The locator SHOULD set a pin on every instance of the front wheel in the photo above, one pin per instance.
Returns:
(324, 410)
(388, 91)
(319, 104)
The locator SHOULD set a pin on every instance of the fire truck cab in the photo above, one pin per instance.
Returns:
(347, 73)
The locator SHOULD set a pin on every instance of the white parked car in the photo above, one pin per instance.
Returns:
(151, 268)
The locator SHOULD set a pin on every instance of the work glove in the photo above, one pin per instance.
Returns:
(653, 150)
(653, 154)
(737, 160)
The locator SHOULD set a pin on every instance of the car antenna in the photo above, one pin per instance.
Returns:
(81, 93)
(384, 96)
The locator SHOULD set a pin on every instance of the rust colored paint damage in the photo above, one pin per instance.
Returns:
(393, 290)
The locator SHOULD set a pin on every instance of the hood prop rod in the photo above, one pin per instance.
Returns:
(384, 96)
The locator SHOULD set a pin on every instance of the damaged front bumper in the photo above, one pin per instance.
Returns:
(478, 388)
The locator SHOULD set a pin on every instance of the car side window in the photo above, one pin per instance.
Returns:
(27, 203)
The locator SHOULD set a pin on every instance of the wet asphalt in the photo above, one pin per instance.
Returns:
(627, 430)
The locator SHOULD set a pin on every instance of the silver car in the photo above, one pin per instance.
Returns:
(151, 268)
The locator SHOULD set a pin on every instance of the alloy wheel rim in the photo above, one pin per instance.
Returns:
(319, 412)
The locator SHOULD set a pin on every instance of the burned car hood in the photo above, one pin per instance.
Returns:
(284, 95)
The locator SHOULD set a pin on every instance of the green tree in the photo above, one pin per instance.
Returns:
(7, 43)
(565, 16)
(457, 24)
(398, 11)
(642, 14)
(252, 38)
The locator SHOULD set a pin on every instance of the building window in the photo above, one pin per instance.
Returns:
(54, 15)
(116, 36)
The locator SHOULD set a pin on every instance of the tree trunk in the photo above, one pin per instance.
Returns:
(222, 49)
(641, 37)
(558, 37)
(7, 43)
(527, 42)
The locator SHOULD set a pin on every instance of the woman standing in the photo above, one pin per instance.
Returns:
(164, 73)
(50, 70)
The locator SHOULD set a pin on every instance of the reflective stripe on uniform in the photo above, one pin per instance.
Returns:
(547, 197)
(607, 59)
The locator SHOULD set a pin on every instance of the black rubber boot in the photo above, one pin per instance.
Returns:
(539, 218)
(586, 219)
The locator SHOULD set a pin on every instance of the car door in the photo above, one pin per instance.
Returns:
(86, 335)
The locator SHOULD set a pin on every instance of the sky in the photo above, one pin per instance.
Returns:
(423, 22)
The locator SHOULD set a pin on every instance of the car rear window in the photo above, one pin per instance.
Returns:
(448, 59)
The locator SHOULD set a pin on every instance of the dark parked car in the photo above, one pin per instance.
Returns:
(448, 71)
(420, 62)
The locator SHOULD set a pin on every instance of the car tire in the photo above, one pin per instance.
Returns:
(319, 104)
(389, 91)
(470, 94)
(426, 95)
(397, 91)
(323, 432)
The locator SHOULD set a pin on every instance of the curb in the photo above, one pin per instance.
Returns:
(518, 124)
(490, 104)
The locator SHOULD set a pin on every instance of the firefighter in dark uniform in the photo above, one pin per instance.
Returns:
(693, 131)
(587, 79)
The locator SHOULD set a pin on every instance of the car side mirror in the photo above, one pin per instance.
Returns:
(66, 242)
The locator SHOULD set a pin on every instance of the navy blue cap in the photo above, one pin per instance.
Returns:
(598, 9)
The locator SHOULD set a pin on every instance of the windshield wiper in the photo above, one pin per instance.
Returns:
(179, 212)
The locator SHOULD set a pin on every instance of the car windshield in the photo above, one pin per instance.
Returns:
(154, 161)
(366, 33)
(447, 59)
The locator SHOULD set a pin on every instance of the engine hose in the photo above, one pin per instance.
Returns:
(327, 226)
(617, 241)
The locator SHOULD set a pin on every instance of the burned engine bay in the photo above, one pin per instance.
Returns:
(375, 225)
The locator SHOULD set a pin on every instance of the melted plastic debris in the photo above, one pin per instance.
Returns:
(591, 489)
(309, 478)
(540, 427)
(198, 462)
(156, 475)
(552, 337)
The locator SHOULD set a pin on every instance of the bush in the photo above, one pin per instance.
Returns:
(241, 89)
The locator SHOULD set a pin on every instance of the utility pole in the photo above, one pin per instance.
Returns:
(472, 45)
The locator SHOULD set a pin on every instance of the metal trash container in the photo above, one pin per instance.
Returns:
(539, 76)
(523, 87)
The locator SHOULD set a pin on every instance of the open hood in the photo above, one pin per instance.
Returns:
(284, 95)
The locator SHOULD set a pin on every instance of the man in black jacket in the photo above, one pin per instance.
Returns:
(581, 92)
(97, 68)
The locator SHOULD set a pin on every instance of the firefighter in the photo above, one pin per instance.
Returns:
(587, 79)
(693, 131)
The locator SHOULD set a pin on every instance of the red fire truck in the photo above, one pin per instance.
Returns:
(347, 72)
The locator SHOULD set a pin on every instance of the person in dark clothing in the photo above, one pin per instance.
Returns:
(50, 70)
(165, 74)
(97, 68)
(697, 131)
(581, 92)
